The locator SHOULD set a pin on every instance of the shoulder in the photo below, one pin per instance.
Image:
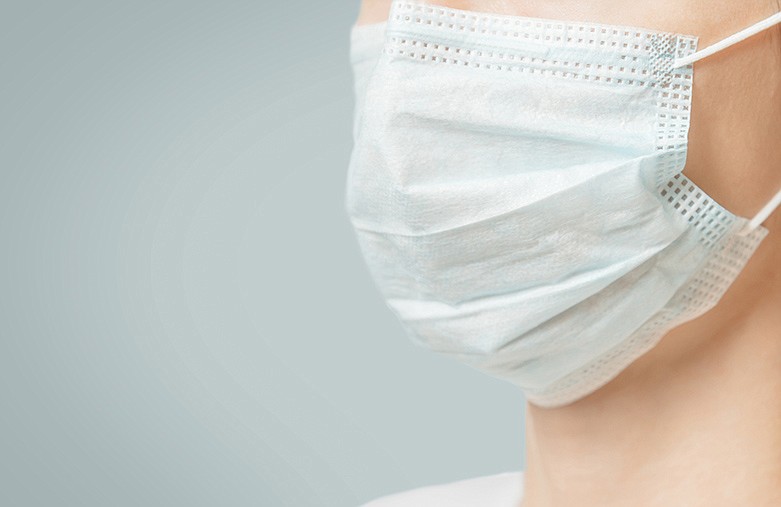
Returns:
(499, 490)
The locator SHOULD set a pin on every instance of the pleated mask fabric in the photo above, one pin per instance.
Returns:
(516, 191)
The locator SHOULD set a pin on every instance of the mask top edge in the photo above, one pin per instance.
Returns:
(525, 24)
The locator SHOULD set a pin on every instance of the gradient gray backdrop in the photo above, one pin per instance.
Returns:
(185, 317)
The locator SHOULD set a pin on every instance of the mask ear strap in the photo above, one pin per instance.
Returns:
(760, 217)
(728, 41)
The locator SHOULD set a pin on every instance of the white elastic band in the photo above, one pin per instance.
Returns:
(765, 212)
(732, 39)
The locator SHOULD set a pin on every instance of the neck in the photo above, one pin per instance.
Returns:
(696, 421)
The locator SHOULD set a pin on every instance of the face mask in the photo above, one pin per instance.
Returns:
(516, 190)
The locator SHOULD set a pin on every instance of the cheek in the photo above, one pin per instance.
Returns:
(734, 153)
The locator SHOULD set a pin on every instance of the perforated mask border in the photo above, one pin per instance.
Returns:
(428, 32)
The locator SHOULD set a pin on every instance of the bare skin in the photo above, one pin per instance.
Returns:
(696, 421)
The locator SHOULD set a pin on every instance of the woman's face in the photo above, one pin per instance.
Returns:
(733, 150)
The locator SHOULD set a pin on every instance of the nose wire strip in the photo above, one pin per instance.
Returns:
(728, 41)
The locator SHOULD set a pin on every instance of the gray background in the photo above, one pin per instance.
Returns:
(185, 316)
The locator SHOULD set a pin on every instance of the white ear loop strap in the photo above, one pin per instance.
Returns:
(765, 212)
(728, 41)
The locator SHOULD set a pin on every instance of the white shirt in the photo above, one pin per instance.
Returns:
(499, 490)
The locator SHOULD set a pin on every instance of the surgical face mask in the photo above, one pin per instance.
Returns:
(516, 191)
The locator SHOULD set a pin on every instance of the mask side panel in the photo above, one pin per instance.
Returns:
(716, 228)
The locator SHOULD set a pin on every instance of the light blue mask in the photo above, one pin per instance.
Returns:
(516, 190)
